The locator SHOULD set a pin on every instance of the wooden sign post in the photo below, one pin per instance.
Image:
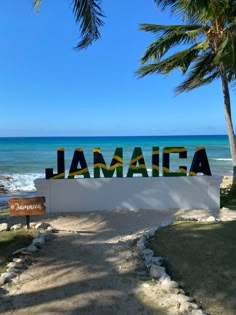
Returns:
(27, 207)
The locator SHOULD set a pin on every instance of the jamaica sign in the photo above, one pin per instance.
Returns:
(137, 165)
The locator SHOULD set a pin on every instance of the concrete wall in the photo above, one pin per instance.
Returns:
(88, 194)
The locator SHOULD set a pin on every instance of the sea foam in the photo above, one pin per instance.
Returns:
(20, 182)
(222, 159)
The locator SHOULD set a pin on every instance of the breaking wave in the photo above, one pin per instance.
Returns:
(19, 182)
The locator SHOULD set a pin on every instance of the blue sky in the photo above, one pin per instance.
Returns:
(47, 88)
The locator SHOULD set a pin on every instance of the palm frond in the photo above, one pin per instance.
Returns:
(226, 52)
(203, 71)
(172, 37)
(189, 85)
(89, 15)
(194, 10)
(180, 60)
(166, 29)
(202, 60)
(37, 4)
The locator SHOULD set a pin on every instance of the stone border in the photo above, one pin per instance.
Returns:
(18, 265)
(157, 271)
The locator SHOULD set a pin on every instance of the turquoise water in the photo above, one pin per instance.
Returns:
(25, 159)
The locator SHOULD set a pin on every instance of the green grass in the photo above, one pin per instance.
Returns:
(4, 213)
(201, 258)
(228, 197)
(11, 241)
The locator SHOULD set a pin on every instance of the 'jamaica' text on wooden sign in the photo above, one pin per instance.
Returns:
(27, 206)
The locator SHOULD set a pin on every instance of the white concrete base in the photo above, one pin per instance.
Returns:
(90, 194)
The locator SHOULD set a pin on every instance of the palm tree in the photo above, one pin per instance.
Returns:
(88, 14)
(207, 42)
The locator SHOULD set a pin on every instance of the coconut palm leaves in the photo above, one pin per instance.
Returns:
(200, 61)
(88, 14)
(206, 44)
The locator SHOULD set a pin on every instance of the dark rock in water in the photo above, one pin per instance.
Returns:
(2, 189)
(6, 178)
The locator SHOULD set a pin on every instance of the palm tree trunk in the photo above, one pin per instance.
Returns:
(229, 123)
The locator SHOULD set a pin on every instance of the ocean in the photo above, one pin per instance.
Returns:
(24, 159)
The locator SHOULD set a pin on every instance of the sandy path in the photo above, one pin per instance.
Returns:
(90, 267)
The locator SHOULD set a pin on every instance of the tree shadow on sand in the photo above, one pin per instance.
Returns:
(83, 272)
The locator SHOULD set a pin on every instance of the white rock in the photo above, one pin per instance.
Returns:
(31, 248)
(193, 306)
(184, 308)
(207, 219)
(180, 291)
(8, 276)
(187, 307)
(148, 261)
(167, 282)
(152, 231)
(197, 312)
(42, 235)
(141, 243)
(19, 260)
(18, 251)
(183, 298)
(17, 227)
(165, 279)
(147, 252)
(3, 227)
(157, 260)
(15, 264)
(146, 234)
(224, 208)
(38, 241)
(45, 234)
(211, 219)
(2, 280)
(157, 271)
(42, 225)
(13, 270)
(11, 264)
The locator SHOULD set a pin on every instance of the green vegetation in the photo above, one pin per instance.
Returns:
(11, 241)
(228, 197)
(4, 213)
(201, 258)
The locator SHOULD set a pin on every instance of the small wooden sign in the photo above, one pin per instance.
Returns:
(27, 206)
